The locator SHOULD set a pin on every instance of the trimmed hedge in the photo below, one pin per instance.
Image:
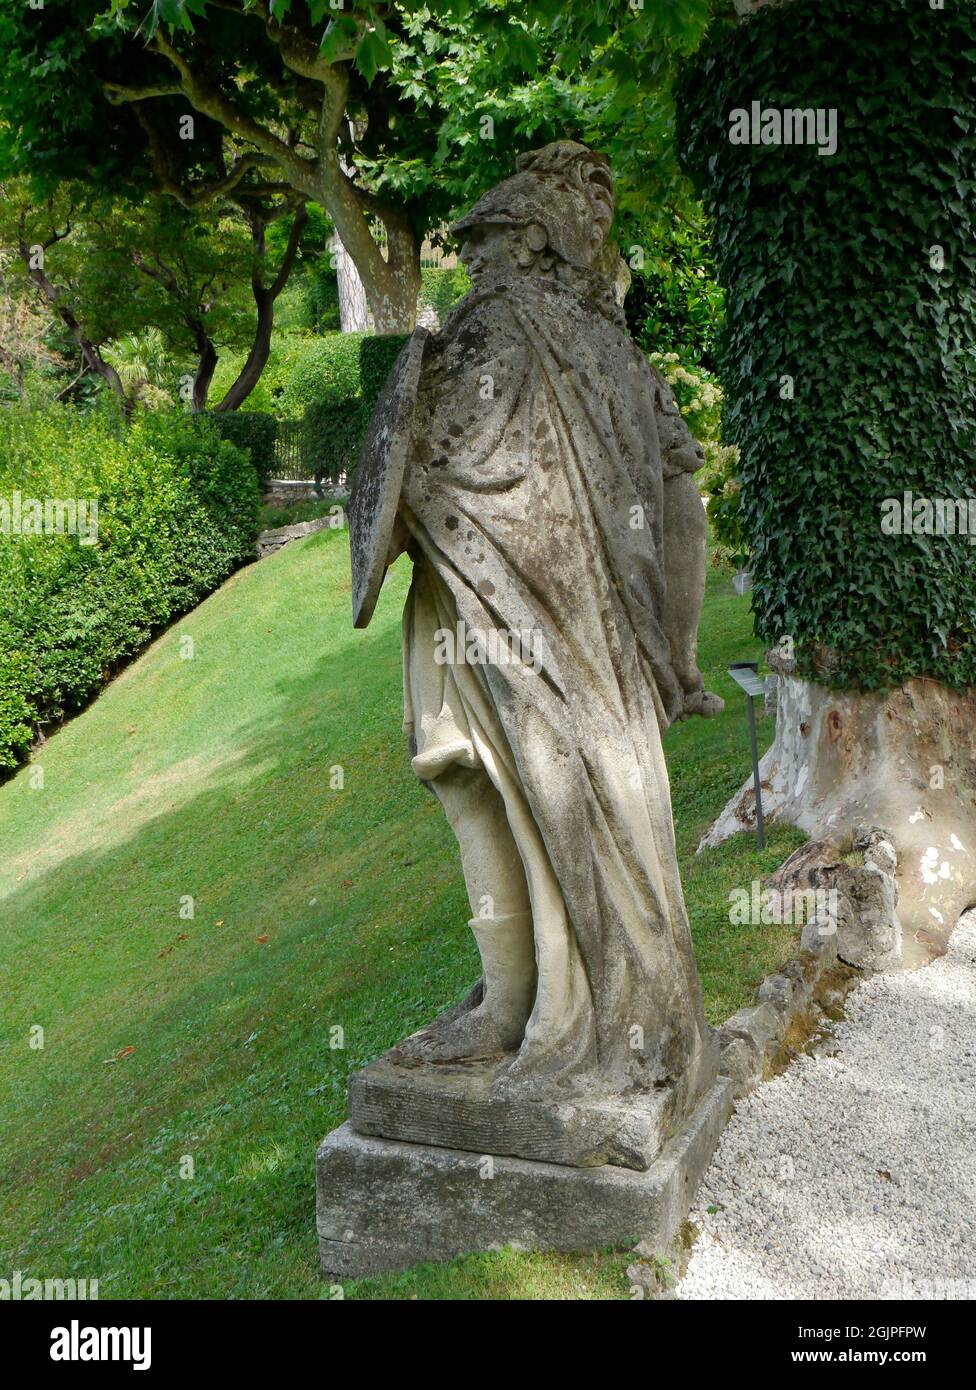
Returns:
(323, 369)
(849, 355)
(177, 512)
(376, 357)
(345, 377)
(253, 431)
(332, 435)
(338, 367)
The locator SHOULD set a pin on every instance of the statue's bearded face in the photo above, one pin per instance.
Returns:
(497, 249)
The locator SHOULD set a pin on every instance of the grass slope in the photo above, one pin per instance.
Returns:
(214, 1041)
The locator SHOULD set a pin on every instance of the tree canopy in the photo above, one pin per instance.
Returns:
(391, 117)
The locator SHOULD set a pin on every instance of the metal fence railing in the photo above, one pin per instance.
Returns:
(290, 453)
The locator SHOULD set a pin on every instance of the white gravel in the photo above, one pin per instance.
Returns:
(854, 1176)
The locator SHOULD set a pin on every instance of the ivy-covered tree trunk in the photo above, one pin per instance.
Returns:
(848, 258)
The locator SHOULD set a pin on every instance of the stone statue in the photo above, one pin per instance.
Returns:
(537, 471)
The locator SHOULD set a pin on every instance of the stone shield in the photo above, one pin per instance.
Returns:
(379, 477)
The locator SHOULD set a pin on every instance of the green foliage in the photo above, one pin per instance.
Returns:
(266, 396)
(332, 436)
(17, 680)
(253, 431)
(322, 369)
(673, 304)
(142, 364)
(377, 353)
(440, 72)
(700, 398)
(316, 293)
(309, 302)
(441, 289)
(344, 375)
(177, 511)
(831, 282)
(719, 483)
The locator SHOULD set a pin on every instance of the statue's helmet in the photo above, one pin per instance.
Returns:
(565, 188)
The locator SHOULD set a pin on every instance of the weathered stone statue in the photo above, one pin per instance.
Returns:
(537, 471)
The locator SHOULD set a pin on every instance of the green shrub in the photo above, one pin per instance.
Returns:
(333, 435)
(345, 379)
(441, 289)
(177, 512)
(17, 679)
(673, 304)
(376, 357)
(251, 430)
(322, 369)
(338, 367)
(321, 288)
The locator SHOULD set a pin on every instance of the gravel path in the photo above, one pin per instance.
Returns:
(854, 1175)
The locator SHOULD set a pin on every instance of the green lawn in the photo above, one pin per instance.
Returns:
(315, 908)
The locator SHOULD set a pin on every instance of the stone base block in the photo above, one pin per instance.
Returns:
(384, 1204)
(457, 1107)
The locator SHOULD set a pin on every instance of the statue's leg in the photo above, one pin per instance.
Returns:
(685, 561)
(493, 1018)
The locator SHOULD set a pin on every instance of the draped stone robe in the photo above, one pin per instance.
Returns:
(533, 498)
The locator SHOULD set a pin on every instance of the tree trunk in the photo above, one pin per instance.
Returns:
(353, 309)
(391, 283)
(904, 761)
(901, 759)
(206, 366)
(250, 373)
(90, 353)
(264, 299)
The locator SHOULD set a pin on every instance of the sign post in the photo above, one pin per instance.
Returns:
(746, 676)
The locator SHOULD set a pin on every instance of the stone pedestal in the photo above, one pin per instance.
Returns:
(458, 1107)
(386, 1205)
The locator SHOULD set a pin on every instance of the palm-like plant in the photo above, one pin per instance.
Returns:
(140, 360)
